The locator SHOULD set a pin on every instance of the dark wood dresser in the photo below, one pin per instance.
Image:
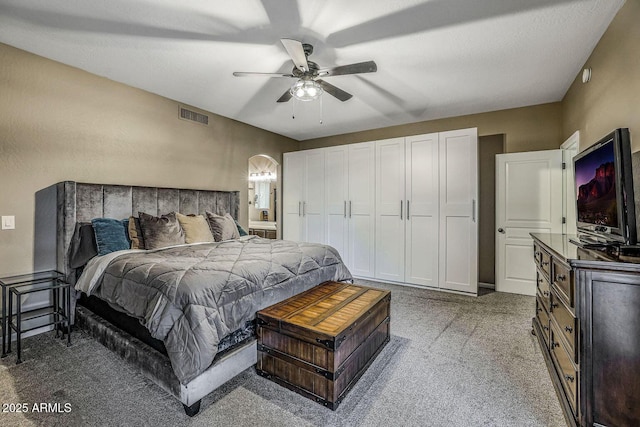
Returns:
(588, 327)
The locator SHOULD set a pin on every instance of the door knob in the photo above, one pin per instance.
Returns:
(501, 230)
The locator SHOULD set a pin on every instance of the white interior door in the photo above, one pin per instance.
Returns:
(528, 200)
(458, 268)
(422, 193)
(337, 197)
(569, 150)
(292, 179)
(390, 209)
(361, 209)
(313, 215)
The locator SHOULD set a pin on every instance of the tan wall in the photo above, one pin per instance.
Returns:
(612, 98)
(488, 147)
(59, 123)
(526, 129)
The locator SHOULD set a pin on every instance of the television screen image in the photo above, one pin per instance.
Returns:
(596, 187)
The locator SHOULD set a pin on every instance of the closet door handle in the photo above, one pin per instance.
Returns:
(304, 208)
(349, 208)
(299, 209)
(408, 214)
(345, 209)
(401, 203)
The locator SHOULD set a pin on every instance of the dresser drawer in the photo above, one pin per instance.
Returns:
(544, 289)
(543, 318)
(566, 323)
(537, 254)
(564, 365)
(562, 279)
(545, 262)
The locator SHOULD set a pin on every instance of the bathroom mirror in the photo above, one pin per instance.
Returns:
(263, 192)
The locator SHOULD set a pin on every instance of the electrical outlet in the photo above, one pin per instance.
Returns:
(8, 222)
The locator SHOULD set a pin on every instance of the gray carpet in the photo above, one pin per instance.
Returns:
(452, 361)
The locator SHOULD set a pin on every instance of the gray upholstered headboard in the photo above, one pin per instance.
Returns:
(81, 202)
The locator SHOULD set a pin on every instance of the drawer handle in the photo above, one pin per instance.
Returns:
(545, 262)
(545, 293)
(545, 327)
(561, 278)
(555, 305)
(539, 309)
(539, 280)
(555, 344)
(568, 329)
(569, 378)
(537, 253)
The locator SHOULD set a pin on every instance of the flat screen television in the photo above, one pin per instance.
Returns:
(604, 192)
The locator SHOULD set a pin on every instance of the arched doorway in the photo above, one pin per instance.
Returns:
(263, 196)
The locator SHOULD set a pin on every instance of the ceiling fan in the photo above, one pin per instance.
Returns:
(310, 85)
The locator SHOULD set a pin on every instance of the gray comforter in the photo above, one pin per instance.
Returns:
(192, 296)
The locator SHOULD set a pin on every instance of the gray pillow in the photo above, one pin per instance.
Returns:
(83, 245)
(160, 232)
(222, 227)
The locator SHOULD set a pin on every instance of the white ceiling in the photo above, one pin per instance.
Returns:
(436, 58)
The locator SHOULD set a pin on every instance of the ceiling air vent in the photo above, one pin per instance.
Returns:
(193, 116)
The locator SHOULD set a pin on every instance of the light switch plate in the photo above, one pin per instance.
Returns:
(8, 222)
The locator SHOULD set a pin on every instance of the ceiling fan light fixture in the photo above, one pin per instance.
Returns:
(306, 90)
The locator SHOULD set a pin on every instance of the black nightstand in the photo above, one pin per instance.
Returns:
(13, 290)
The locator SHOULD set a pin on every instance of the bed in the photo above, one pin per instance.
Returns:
(183, 315)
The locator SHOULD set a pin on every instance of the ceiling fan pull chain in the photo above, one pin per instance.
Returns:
(293, 108)
(321, 108)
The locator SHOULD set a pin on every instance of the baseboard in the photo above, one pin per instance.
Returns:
(487, 285)
(411, 285)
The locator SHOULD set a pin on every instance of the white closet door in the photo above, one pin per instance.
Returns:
(422, 227)
(458, 210)
(337, 197)
(361, 210)
(313, 215)
(390, 209)
(292, 178)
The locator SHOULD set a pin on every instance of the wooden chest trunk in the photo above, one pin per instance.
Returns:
(318, 343)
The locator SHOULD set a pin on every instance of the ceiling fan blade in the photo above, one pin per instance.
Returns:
(360, 67)
(296, 52)
(285, 97)
(334, 91)
(249, 74)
